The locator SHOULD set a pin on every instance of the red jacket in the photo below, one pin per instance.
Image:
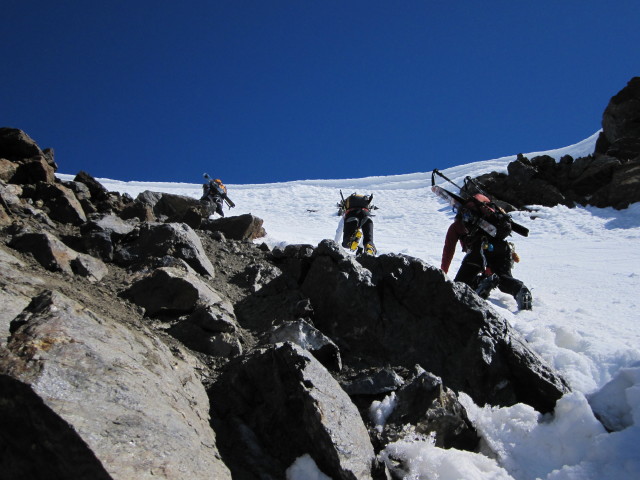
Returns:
(457, 231)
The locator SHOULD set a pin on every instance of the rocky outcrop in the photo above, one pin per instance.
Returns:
(608, 178)
(106, 400)
(256, 398)
(400, 311)
(620, 137)
(164, 239)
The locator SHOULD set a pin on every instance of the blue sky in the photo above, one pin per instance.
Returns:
(256, 91)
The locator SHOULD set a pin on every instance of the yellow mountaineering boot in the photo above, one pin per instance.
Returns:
(370, 249)
(355, 241)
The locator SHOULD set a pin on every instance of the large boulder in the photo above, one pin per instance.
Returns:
(15, 145)
(398, 310)
(172, 291)
(16, 290)
(280, 403)
(241, 227)
(56, 256)
(157, 240)
(621, 123)
(167, 206)
(85, 397)
(624, 188)
(432, 409)
(61, 203)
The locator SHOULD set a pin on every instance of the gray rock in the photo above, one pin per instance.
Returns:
(61, 202)
(280, 401)
(98, 399)
(173, 291)
(16, 290)
(170, 207)
(310, 339)
(54, 255)
(161, 239)
(404, 312)
(241, 227)
(16, 145)
(432, 409)
(379, 381)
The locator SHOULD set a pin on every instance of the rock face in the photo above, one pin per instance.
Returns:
(140, 340)
(126, 406)
(608, 178)
(266, 389)
(402, 311)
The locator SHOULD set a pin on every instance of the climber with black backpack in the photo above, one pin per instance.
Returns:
(357, 223)
(482, 229)
(214, 195)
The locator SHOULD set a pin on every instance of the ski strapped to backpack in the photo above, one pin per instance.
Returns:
(457, 202)
(220, 191)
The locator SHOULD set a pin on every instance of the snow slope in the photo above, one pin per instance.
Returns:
(583, 267)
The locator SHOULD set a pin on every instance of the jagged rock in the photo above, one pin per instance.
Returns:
(241, 227)
(280, 403)
(400, 310)
(7, 169)
(139, 210)
(34, 170)
(588, 174)
(311, 340)
(259, 275)
(171, 290)
(15, 145)
(61, 203)
(54, 255)
(168, 206)
(89, 267)
(97, 191)
(211, 328)
(108, 223)
(215, 318)
(621, 123)
(623, 189)
(16, 290)
(82, 193)
(373, 382)
(85, 397)
(160, 239)
(431, 409)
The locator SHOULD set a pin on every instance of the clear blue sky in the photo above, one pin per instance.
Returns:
(256, 91)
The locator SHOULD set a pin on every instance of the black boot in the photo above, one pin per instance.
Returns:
(486, 285)
(524, 299)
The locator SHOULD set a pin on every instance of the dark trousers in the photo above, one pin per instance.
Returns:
(214, 205)
(352, 222)
(498, 259)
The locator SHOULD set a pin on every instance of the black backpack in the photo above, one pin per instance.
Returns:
(357, 201)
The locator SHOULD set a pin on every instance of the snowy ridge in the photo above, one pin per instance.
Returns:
(583, 266)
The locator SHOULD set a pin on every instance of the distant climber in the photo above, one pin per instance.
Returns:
(489, 259)
(214, 195)
(358, 223)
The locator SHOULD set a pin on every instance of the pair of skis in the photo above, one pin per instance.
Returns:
(457, 202)
(220, 191)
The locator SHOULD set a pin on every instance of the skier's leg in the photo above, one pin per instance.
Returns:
(219, 209)
(349, 231)
(472, 265)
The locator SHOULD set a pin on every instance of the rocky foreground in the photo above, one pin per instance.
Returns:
(141, 340)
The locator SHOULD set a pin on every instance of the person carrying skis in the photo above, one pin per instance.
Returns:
(358, 222)
(213, 194)
(489, 259)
